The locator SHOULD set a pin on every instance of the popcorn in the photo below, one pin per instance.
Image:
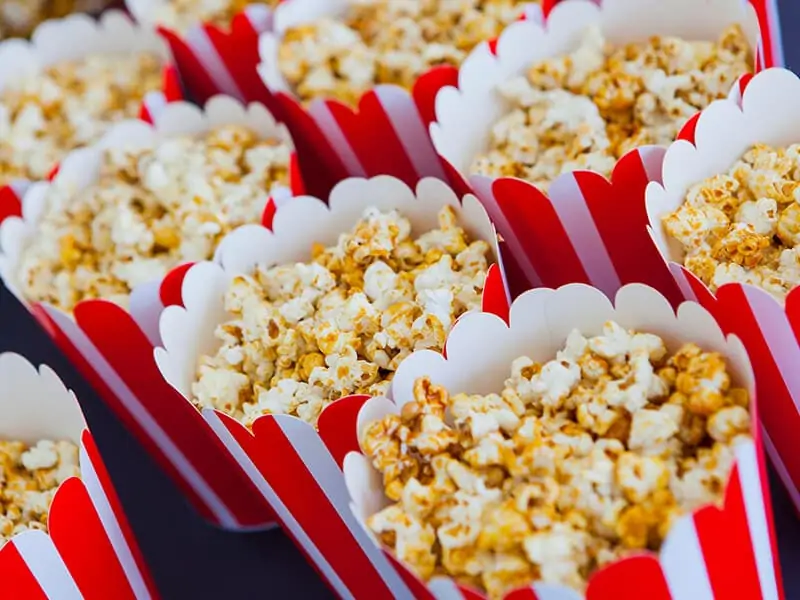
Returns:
(306, 334)
(150, 209)
(386, 41)
(503, 490)
(744, 225)
(29, 477)
(586, 109)
(181, 15)
(18, 18)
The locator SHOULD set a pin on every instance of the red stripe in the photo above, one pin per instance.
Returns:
(320, 166)
(310, 506)
(337, 426)
(527, 593)
(170, 292)
(764, 24)
(18, 581)
(372, 137)
(270, 208)
(727, 547)
(534, 222)
(198, 82)
(494, 298)
(53, 172)
(688, 130)
(116, 506)
(10, 205)
(78, 534)
(628, 579)
(427, 87)
(744, 81)
(173, 90)
(144, 113)
(296, 183)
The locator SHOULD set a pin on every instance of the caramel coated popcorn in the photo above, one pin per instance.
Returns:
(181, 15)
(67, 106)
(306, 334)
(744, 225)
(575, 463)
(150, 210)
(18, 18)
(386, 41)
(29, 477)
(586, 109)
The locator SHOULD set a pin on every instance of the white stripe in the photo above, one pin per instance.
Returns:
(570, 206)
(552, 591)
(326, 472)
(776, 34)
(410, 130)
(683, 564)
(44, 562)
(153, 430)
(753, 494)
(321, 114)
(111, 527)
(780, 468)
(779, 336)
(444, 588)
(208, 56)
(679, 275)
(145, 307)
(155, 103)
(286, 517)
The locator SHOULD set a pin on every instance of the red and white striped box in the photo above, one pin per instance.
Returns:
(125, 373)
(322, 491)
(765, 114)
(214, 60)
(72, 38)
(89, 551)
(187, 329)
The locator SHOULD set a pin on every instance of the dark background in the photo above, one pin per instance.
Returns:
(192, 560)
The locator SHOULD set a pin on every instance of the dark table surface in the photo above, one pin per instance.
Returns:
(192, 560)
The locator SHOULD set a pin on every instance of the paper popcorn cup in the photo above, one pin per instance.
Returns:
(718, 138)
(89, 550)
(711, 553)
(187, 329)
(73, 38)
(124, 372)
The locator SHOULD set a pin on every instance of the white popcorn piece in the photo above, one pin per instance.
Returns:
(304, 335)
(743, 226)
(585, 109)
(18, 18)
(182, 15)
(555, 477)
(150, 209)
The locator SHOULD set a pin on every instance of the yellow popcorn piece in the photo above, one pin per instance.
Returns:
(18, 18)
(182, 15)
(502, 490)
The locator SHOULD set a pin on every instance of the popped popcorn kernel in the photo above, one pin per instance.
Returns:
(585, 109)
(150, 209)
(69, 105)
(386, 42)
(743, 226)
(183, 15)
(29, 477)
(18, 18)
(304, 335)
(554, 477)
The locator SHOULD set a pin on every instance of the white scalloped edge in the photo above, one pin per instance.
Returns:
(75, 37)
(188, 332)
(466, 114)
(481, 348)
(725, 130)
(81, 167)
(34, 403)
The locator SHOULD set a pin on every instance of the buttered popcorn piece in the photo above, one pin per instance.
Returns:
(584, 110)
(69, 105)
(306, 334)
(18, 18)
(743, 226)
(29, 477)
(386, 41)
(575, 463)
(181, 15)
(150, 209)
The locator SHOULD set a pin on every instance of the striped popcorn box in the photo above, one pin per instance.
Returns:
(59, 40)
(385, 132)
(190, 331)
(765, 322)
(125, 374)
(89, 550)
(212, 58)
(717, 551)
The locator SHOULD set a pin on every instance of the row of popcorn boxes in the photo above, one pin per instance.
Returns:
(64, 534)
